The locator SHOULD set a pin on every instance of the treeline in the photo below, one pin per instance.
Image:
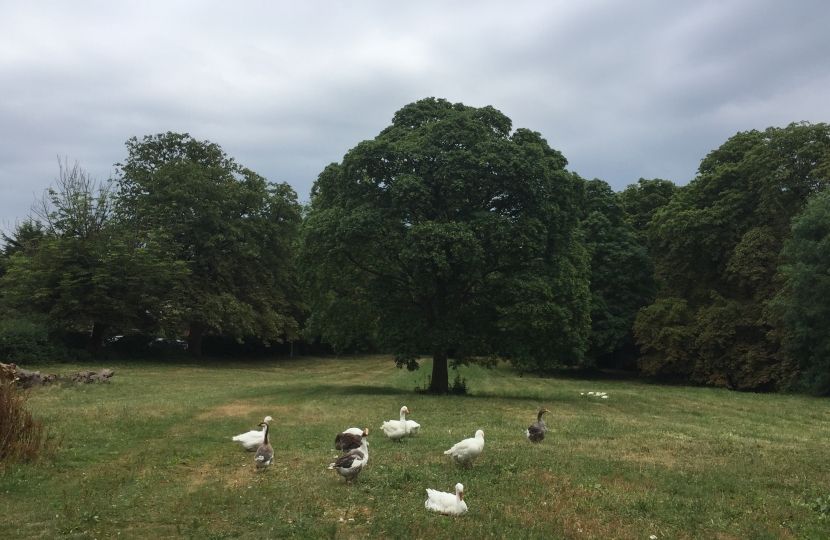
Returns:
(450, 235)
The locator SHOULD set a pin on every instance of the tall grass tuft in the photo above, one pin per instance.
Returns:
(21, 436)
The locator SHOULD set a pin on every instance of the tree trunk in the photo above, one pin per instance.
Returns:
(96, 340)
(440, 382)
(194, 338)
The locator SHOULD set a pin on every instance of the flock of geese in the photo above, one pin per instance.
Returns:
(355, 448)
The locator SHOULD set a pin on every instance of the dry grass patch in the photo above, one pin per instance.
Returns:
(237, 409)
(22, 438)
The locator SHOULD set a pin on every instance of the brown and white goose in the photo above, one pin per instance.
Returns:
(537, 431)
(352, 462)
(351, 439)
(265, 453)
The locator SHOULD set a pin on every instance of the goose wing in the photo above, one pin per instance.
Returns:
(250, 440)
(264, 454)
(347, 461)
(347, 441)
(461, 447)
(536, 431)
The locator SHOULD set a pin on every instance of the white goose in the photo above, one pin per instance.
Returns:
(447, 503)
(397, 430)
(466, 451)
(253, 439)
(412, 427)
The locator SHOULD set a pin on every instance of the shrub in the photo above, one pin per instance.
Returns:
(24, 342)
(459, 386)
(21, 436)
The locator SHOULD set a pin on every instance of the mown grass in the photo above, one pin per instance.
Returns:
(150, 456)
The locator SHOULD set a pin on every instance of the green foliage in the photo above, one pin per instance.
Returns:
(25, 235)
(24, 342)
(716, 246)
(344, 318)
(806, 297)
(643, 199)
(232, 230)
(622, 276)
(459, 385)
(448, 235)
(84, 268)
(666, 332)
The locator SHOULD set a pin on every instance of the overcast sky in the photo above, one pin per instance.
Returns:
(625, 89)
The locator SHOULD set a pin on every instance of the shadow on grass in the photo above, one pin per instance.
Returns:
(619, 375)
(328, 390)
(359, 390)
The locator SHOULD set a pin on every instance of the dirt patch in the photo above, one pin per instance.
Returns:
(200, 475)
(284, 415)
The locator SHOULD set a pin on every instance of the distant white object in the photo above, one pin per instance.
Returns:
(253, 439)
(447, 503)
(466, 451)
(264, 454)
(398, 429)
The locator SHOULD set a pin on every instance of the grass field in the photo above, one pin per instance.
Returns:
(150, 456)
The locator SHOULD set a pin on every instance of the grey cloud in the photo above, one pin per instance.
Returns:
(623, 89)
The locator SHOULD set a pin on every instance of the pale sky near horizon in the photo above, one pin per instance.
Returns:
(624, 89)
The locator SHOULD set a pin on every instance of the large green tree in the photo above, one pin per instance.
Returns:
(805, 298)
(81, 266)
(716, 246)
(621, 275)
(233, 230)
(457, 238)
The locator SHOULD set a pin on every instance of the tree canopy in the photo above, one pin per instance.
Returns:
(621, 273)
(81, 267)
(456, 237)
(805, 299)
(643, 199)
(233, 230)
(716, 246)
(450, 235)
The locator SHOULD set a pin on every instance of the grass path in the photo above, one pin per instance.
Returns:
(150, 456)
